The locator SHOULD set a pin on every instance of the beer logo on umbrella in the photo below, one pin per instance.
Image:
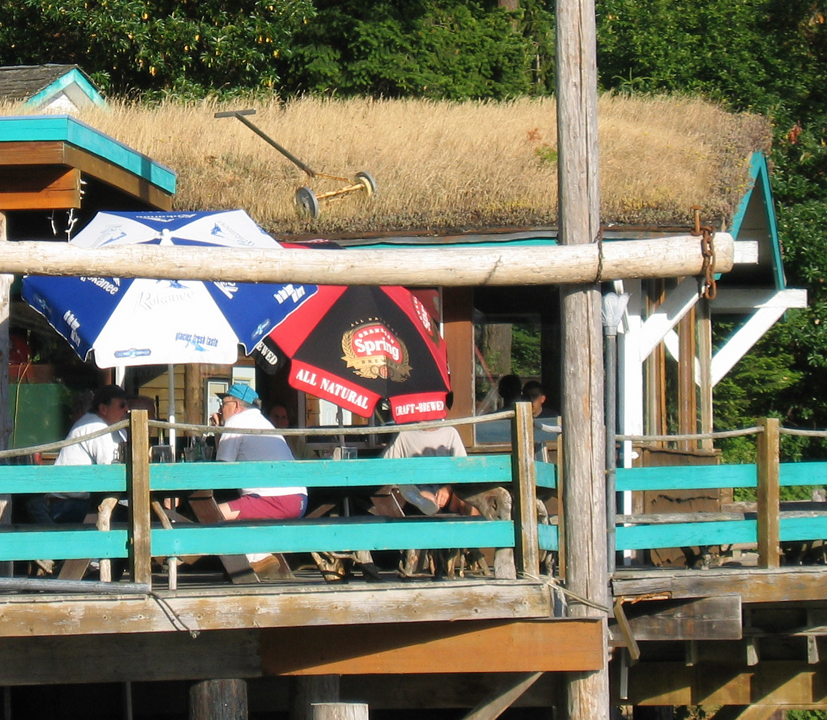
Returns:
(372, 350)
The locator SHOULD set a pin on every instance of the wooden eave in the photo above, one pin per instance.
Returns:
(43, 161)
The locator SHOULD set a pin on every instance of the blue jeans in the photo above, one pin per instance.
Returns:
(48, 510)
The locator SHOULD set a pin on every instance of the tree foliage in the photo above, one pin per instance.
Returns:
(180, 47)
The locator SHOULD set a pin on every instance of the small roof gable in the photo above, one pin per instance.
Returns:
(38, 85)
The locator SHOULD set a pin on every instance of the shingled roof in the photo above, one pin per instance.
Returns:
(25, 83)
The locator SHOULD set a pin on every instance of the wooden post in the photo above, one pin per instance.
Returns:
(218, 700)
(137, 492)
(584, 447)
(306, 691)
(687, 392)
(340, 711)
(704, 320)
(6, 568)
(769, 547)
(524, 481)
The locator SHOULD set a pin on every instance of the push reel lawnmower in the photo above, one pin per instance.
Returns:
(307, 201)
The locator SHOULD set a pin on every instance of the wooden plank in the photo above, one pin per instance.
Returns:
(768, 683)
(242, 607)
(548, 537)
(524, 510)
(372, 472)
(679, 301)
(136, 657)
(50, 152)
(802, 528)
(753, 585)
(511, 646)
(333, 535)
(687, 477)
(39, 188)
(702, 619)
(546, 475)
(686, 534)
(28, 543)
(62, 478)
(418, 267)
(137, 494)
(802, 473)
(769, 447)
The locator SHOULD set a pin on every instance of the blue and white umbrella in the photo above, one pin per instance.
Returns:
(162, 322)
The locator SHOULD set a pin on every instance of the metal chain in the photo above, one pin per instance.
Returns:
(707, 235)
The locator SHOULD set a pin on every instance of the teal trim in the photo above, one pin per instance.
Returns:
(63, 128)
(16, 479)
(73, 76)
(760, 178)
(527, 242)
(802, 473)
(333, 473)
(333, 535)
(805, 528)
(546, 475)
(81, 542)
(641, 537)
(687, 477)
(549, 537)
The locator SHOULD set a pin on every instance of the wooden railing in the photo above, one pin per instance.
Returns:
(137, 481)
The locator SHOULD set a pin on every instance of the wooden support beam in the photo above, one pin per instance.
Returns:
(574, 264)
(525, 495)
(769, 544)
(713, 618)
(502, 698)
(435, 647)
(137, 491)
(39, 188)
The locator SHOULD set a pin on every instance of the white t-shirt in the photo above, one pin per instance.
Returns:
(439, 442)
(255, 448)
(97, 451)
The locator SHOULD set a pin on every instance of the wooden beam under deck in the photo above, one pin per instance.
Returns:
(263, 606)
(768, 683)
(400, 648)
(753, 585)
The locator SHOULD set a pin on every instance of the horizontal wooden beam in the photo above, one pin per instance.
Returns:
(768, 683)
(666, 257)
(39, 188)
(702, 619)
(753, 585)
(559, 645)
(196, 610)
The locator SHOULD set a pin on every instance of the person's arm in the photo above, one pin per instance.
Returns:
(446, 499)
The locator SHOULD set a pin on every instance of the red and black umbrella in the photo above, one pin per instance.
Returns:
(356, 345)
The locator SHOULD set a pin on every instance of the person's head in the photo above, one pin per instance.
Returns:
(533, 392)
(142, 402)
(278, 416)
(238, 398)
(509, 389)
(109, 404)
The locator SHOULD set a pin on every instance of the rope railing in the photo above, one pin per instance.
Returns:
(696, 436)
(51, 447)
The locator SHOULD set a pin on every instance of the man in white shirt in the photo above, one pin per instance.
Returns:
(109, 406)
(239, 410)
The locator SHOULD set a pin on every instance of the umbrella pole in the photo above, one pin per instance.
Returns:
(171, 407)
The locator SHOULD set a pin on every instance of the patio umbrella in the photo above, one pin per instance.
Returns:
(356, 345)
(160, 322)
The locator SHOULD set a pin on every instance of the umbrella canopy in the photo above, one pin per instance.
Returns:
(161, 322)
(356, 345)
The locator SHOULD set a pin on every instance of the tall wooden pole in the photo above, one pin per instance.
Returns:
(584, 447)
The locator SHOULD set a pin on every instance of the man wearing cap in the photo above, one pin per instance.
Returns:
(239, 409)
(108, 406)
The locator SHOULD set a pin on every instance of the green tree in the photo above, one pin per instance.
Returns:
(177, 46)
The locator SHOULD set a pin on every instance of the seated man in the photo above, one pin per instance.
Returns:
(108, 406)
(441, 441)
(239, 409)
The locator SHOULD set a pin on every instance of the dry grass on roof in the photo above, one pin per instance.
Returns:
(443, 165)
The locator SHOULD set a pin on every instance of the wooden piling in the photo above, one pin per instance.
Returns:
(218, 700)
(340, 711)
(6, 568)
(584, 447)
(306, 692)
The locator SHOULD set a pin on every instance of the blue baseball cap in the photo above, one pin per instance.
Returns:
(240, 391)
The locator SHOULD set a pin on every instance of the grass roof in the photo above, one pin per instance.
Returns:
(442, 166)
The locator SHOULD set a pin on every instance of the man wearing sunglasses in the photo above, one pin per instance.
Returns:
(109, 406)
